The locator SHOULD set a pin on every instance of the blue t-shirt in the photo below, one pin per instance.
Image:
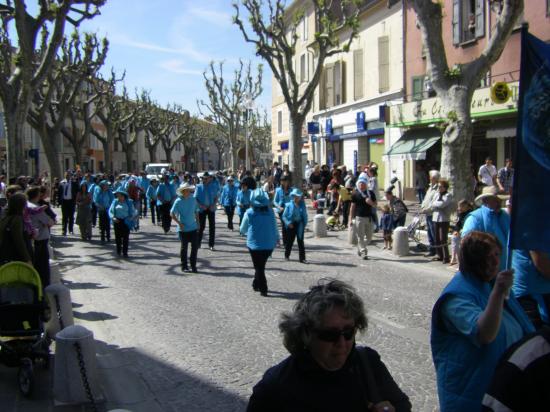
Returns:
(185, 210)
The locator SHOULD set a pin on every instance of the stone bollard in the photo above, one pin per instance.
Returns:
(352, 234)
(75, 365)
(319, 226)
(51, 252)
(55, 273)
(59, 300)
(400, 241)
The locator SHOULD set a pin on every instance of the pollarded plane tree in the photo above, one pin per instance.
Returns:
(259, 134)
(455, 85)
(226, 100)
(274, 34)
(25, 65)
(64, 96)
(176, 127)
(153, 124)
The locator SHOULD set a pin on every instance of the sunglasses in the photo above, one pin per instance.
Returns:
(331, 335)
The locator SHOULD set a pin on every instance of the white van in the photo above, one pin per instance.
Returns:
(156, 169)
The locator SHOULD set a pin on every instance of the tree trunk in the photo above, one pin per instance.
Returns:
(219, 149)
(152, 154)
(128, 154)
(48, 140)
(295, 151)
(456, 144)
(168, 154)
(15, 134)
(77, 148)
(106, 155)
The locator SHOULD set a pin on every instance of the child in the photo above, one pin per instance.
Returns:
(386, 224)
(463, 210)
(333, 221)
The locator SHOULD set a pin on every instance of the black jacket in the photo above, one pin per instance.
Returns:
(299, 384)
(61, 192)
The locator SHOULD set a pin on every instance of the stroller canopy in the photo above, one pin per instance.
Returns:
(20, 272)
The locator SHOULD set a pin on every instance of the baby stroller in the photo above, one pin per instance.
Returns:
(413, 230)
(22, 315)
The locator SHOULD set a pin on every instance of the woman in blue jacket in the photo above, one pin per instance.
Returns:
(295, 220)
(151, 195)
(473, 323)
(185, 213)
(229, 200)
(282, 197)
(122, 213)
(243, 200)
(260, 228)
(103, 198)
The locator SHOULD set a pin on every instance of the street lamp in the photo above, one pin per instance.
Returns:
(247, 105)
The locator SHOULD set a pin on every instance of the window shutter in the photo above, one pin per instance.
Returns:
(323, 89)
(456, 22)
(337, 83)
(303, 69)
(358, 74)
(329, 94)
(383, 64)
(417, 87)
(480, 18)
(343, 81)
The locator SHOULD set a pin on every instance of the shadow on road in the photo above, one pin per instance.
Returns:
(93, 316)
(83, 285)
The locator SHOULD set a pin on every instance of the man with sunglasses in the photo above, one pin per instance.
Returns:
(325, 370)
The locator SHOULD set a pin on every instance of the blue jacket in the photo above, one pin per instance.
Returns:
(260, 228)
(243, 201)
(144, 183)
(151, 193)
(123, 211)
(206, 195)
(103, 199)
(281, 199)
(186, 211)
(229, 195)
(166, 192)
(464, 369)
(296, 215)
(489, 221)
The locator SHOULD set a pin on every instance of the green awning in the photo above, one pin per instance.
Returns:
(414, 143)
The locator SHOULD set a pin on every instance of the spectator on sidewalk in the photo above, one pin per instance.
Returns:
(505, 178)
(84, 212)
(473, 323)
(463, 210)
(326, 371)
(387, 224)
(14, 240)
(421, 182)
(295, 220)
(360, 215)
(67, 190)
(442, 207)
(260, 228)
(344, 201)
(487, 173)
(315, 181)
(431, 194)
(398, 208)
(185, 213)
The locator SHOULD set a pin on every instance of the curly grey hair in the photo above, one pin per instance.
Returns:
(296, 326)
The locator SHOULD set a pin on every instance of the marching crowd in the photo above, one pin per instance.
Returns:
(484, 311)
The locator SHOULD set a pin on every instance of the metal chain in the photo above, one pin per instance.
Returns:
(84, 376)
(58, 312)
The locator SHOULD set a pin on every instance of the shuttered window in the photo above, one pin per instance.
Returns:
(329, 86)
(357, 74)
(303, 68)
(279, 122)
(468, 20)
(417, 87)
(339, 83)
(383, 64)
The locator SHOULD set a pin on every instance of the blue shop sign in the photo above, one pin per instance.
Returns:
(328, 127)
(314, 139)
(360, 121)
(284, 146)
(313, 128)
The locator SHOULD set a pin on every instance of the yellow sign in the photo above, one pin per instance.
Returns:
(500, 92)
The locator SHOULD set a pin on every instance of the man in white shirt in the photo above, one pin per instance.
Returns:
(487, 173)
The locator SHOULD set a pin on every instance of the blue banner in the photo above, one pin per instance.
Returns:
(313, 128)
(360, 121)
(530, 226)
(328, 127)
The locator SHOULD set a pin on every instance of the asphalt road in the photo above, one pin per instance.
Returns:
(199, 342)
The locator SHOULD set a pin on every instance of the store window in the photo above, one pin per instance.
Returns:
(468, 20)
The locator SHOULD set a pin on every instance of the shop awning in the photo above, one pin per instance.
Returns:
(414, 143)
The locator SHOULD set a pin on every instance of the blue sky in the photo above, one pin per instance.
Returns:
(165, 45)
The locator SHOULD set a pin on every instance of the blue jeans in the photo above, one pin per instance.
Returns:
(431, 233)
(421, 195)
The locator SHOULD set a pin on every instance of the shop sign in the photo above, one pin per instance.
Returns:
(328, 127)
(313, 128)
(360, 121)
(431, 110)
(500, 92)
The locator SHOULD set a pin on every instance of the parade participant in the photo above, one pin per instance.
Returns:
(473, 323)
(143, 184)
(532, 283)
(14, 241)
(490, 218)
(123, 215)
(360, 215)
(295, 220)
(243, 200)
(229, 200)
(326, 371)
(442, 207)
(206, 194)
(41, 223)
(185, 213)
(91, 190)
(282, 197)
(260, 228)
(134, 193)
(431, 194)
(68, 188)
(151, 196)
(103, 198)
(165, 196)
(84, 212)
